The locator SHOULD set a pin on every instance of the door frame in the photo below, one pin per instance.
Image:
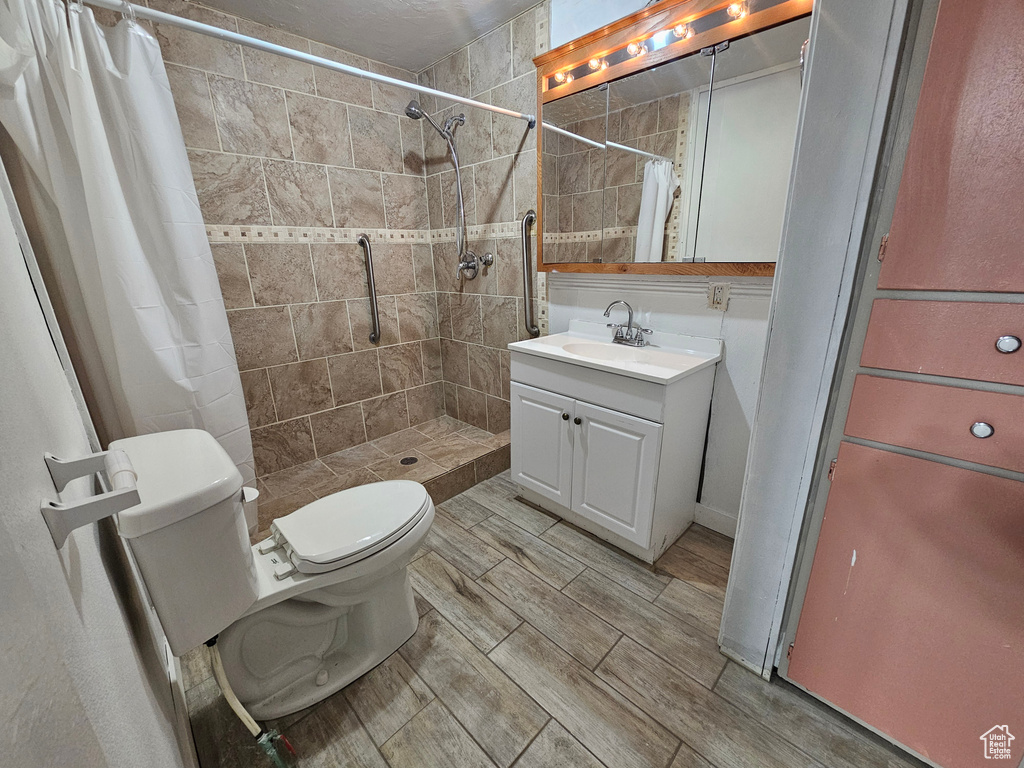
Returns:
(856, 69)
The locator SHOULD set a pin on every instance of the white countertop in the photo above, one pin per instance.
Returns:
(668, 358)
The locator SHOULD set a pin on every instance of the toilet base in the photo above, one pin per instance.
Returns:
(298, 652)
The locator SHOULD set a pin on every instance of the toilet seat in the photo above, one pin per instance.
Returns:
(349, 526)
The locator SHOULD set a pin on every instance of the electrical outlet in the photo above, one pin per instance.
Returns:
(718, 296)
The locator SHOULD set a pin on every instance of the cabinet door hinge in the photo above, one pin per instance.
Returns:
(832, 469)
(789, 653)
(882, 246)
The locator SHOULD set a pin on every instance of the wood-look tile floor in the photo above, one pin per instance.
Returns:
(540, 645)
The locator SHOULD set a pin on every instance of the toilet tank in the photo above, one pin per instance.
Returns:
(189, 534)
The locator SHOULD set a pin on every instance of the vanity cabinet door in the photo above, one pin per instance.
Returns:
(615, 470)
(542, 436)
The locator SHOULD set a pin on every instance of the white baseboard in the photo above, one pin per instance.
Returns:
(722, 522)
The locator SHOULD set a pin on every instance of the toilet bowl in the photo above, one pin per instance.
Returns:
(334, 597)
(298, 616)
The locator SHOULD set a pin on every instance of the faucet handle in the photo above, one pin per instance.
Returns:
(645, 330)
(621, 331)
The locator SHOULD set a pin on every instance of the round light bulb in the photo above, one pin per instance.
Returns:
(737, 10)
(569, 78)
(559, 77)
(594, 64)
(633, 49)
(604, 64)
(683, 31)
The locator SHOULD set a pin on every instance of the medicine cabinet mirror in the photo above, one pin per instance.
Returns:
(667, 142)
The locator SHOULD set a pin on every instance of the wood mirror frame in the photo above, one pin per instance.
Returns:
(638, 27)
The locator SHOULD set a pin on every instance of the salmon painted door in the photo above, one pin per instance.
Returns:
(957, 224)
(913, 620)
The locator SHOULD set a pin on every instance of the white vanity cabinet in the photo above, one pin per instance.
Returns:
(610, 449)
(601, 464)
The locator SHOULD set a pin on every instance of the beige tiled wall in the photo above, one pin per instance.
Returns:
(275, 143)
(498, 155)
(280, 149)
(588, 191)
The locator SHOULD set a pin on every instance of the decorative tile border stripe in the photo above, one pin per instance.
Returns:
(499, 230)
(232, 233)
(263, 234)
(590, 236)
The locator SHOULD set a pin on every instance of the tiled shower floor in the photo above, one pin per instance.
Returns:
(446, 455)
(539, 645)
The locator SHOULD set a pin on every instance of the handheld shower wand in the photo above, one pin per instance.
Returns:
(468, 261)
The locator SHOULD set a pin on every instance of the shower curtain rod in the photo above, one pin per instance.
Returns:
(637, 151)
(571, 135)
(599, 145)
(141, 12)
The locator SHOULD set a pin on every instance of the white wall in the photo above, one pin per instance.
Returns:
(572, 18)
(82, 679)
(679, 305)
(743, 180)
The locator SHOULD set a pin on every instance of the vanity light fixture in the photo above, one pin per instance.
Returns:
(737, 10)
(683, 31)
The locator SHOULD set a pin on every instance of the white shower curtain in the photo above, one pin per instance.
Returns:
(660, 185)
(90, 111)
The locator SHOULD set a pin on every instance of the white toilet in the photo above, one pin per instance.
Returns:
(300, 615)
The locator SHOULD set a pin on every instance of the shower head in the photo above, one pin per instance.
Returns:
(413, 110)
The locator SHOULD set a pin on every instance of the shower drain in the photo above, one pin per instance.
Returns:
(408, 460)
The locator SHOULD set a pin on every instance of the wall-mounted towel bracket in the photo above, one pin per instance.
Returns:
(63, 518)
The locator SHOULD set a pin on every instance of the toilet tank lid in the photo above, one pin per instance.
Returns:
(180, 473)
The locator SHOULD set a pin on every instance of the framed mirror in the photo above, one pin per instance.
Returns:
(699, 116)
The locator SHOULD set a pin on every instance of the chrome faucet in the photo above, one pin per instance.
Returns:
(471, 263)
(627, 334)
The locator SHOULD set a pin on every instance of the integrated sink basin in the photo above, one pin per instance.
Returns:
(621, 353)
(668, 358)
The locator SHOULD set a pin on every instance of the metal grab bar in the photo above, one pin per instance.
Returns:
(372, 288)
(531, 327)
